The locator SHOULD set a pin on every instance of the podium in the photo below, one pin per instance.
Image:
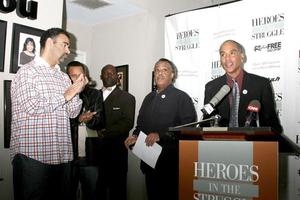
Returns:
(230, 163)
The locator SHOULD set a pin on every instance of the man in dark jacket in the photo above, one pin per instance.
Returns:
(119, 109)
(165, 107)
(85, 143)
(249, 87)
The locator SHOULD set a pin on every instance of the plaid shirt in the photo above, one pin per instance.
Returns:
(40, 127)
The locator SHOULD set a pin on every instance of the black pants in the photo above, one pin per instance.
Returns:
(34, 180)
(87, 176)
(162, 185)
(112, 184)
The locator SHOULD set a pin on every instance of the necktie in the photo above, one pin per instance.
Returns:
(234, 109)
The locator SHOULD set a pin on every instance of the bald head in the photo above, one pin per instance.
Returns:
(109, 75)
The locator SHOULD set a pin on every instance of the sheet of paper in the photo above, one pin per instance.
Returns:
(147, 154)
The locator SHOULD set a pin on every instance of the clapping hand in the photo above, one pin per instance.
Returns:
(76, 87)
(87, 116)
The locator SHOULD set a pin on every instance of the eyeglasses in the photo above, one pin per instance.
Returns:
(64, 44)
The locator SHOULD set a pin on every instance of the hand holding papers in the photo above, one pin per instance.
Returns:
(148, 154)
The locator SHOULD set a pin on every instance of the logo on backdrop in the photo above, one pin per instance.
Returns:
(274, 79)
(216, 69)
(271, 47)
(195, 100)
(278, 100)
(187, 40)
(278, 96)
(268, 26)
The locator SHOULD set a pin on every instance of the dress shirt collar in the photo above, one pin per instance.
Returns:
(106, 91)
(108, 88)
(42, 62)
(238, 79)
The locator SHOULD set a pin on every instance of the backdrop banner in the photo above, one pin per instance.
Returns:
(269, 31)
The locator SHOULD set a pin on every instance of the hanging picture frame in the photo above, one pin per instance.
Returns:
(153, 86)
(7, 113)
(123, 77)
(3, 25)
(25, 45)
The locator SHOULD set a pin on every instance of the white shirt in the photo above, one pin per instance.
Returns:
(106, 91)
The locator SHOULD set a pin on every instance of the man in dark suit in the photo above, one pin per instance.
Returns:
(165, 107)
(119, 109)
(250, 87)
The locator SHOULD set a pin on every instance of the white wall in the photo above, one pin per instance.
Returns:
(81, 40)
(49, 15)
(139, 42)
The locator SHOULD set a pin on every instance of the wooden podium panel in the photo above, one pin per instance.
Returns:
(231, 170)
(236, 134)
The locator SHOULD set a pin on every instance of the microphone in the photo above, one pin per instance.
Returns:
(253, 109)
(209, 108)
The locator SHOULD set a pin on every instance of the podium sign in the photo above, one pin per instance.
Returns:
(228, 170)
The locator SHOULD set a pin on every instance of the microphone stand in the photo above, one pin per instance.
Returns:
(215, 119)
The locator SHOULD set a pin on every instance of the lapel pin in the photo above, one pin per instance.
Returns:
(245, 91)
(163, 96)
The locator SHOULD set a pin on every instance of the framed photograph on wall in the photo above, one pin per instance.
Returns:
(3, 25)
(123, 78)
(25, 45)
(153, 86)
(7, 112)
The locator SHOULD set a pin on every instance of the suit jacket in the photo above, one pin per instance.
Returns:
(253, 87)
(159, 111)
(119, 109)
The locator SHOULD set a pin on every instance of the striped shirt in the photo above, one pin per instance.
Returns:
(40, 127)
